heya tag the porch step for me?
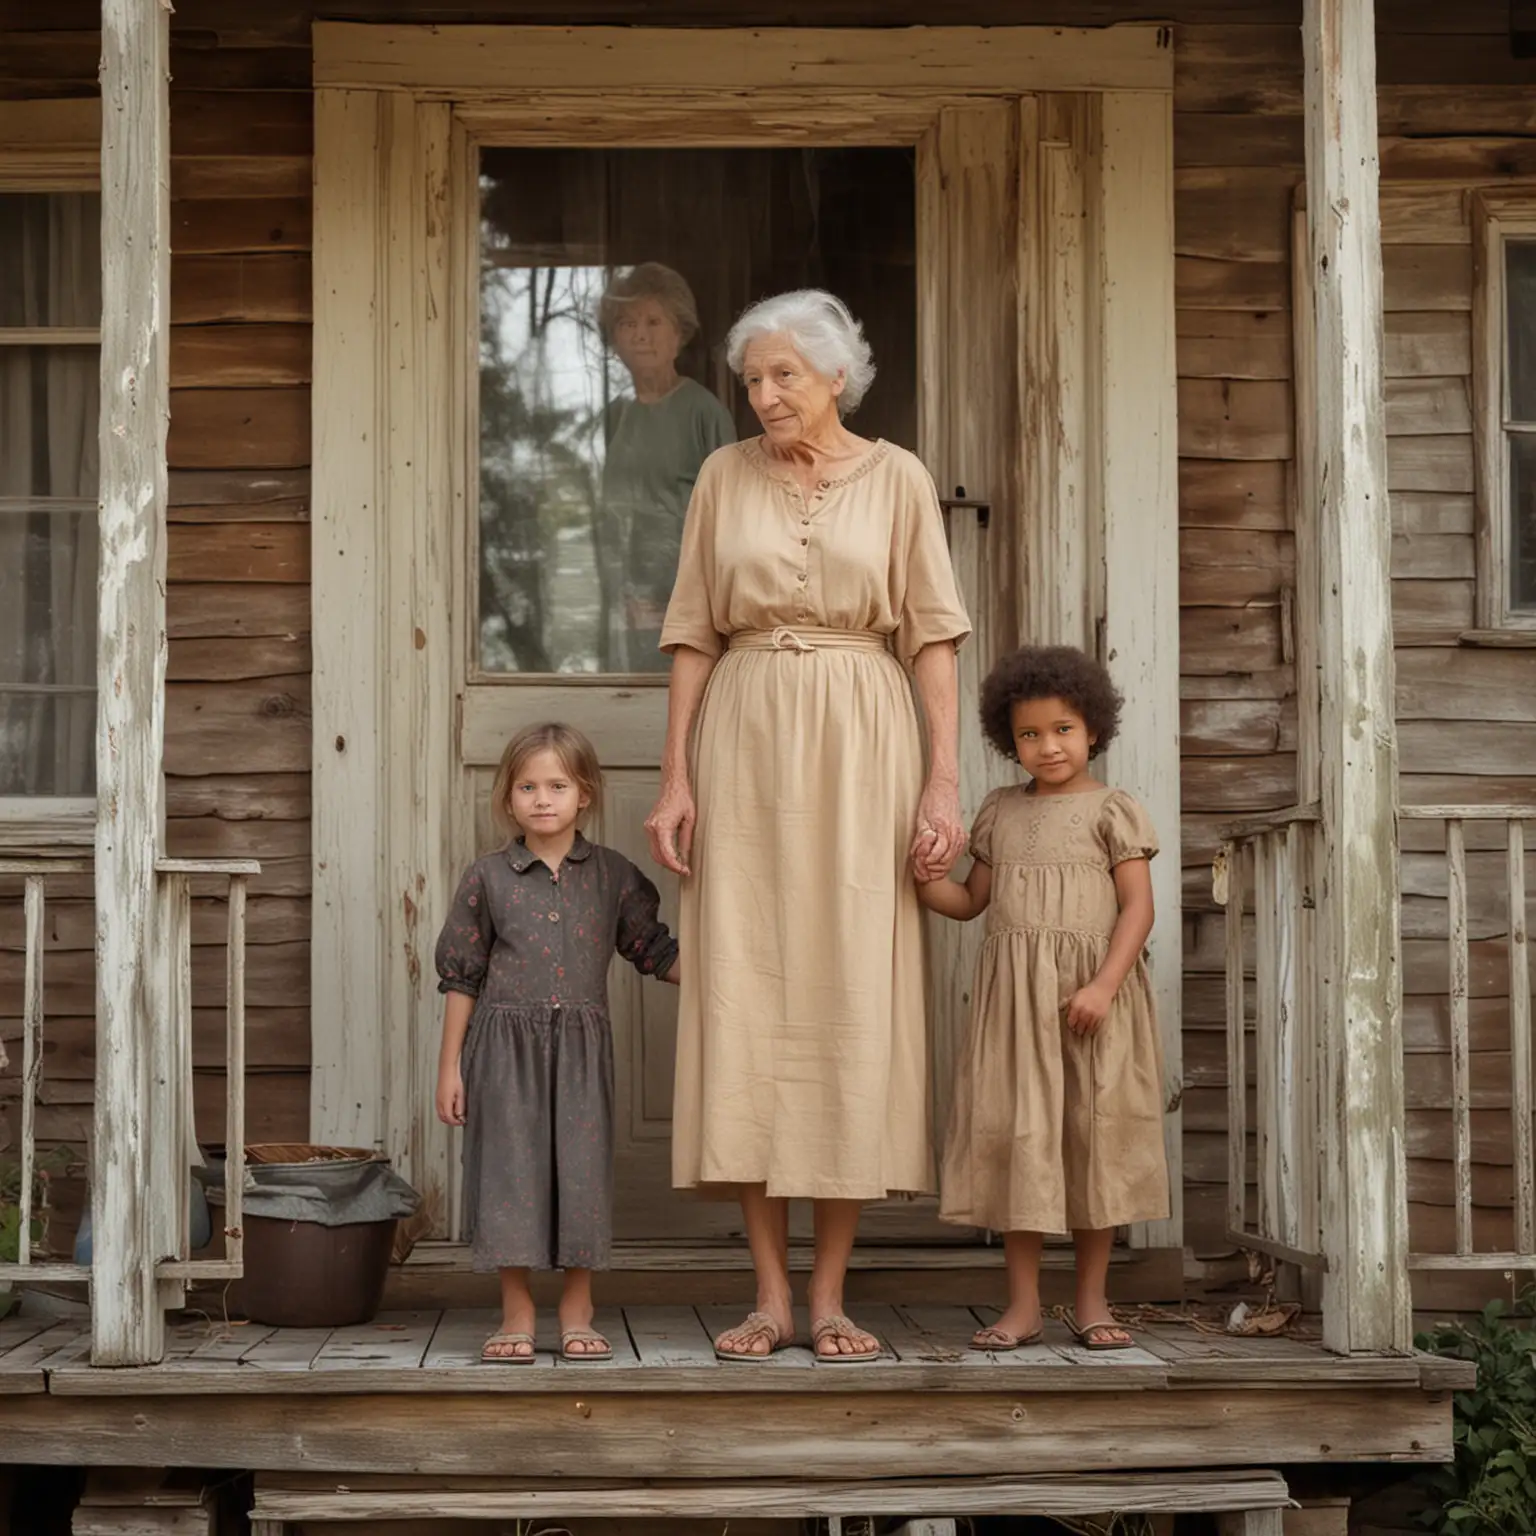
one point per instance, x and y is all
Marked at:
(1254, 1498)
(133, 1501)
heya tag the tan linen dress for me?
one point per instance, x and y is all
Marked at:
(1052, 1131)
(802, 1036)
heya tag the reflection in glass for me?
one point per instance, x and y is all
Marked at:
(609, 279)
(1520, 299)
(1522, 517)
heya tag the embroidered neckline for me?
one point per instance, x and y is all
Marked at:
(755, 454)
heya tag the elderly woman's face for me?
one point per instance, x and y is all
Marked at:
(646, 336)
(791, 399)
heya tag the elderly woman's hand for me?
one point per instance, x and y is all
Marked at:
(940, 836)
(670, 826)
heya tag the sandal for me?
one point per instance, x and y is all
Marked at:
(487, 1356)
(1092, 1335)
(584, 1336)
(998, 1341)
(839, 1327)
(758, 1325)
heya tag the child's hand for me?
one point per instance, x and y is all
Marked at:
(1088, 1008)
(450, 1096)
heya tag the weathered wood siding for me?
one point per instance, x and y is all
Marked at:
(1455, 109)
(237, 706)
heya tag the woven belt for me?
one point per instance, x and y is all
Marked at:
(805, 638)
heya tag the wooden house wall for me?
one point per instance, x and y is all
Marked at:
(1455, 109)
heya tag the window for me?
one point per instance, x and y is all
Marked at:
(608, 281)
(1506, 322)
(50, 308)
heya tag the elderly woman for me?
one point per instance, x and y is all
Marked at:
(813, 571)
(656, 440)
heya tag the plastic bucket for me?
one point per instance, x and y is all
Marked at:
(299, 1274)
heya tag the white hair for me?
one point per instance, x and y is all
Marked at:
(822, 331)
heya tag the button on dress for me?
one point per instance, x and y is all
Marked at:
(1053, 1131)
(533, 950)
(802, 1049)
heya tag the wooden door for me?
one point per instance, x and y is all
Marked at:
(1028, 359)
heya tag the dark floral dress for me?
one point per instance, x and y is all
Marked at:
(533, 948)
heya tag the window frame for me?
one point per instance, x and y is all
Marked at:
(1497, 216)
(49, 146)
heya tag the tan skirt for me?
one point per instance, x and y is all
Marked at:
(802, 1043)
(1052, 1131)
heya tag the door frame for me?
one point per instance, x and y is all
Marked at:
(397, 112)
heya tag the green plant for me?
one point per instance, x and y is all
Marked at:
(44, 1167)
(1490, 1488)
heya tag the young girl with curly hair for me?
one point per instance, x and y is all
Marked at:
(1057, 1117)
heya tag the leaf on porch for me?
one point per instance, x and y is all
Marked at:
(1258, 1322)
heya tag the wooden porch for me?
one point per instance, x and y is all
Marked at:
(407, 1394)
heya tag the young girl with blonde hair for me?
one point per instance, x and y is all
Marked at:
(526, 1065)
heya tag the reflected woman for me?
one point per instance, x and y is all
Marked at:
(656, 440)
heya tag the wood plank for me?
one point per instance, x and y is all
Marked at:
(239, 428)
(1459, 159)
(1239, 783)
(1426, 407)
(223, 356)
(257, 726)
(239, 552)
(1206, 283)
(1427, 277)
(272, 178)
(224, 123)
(1465, 684)
(1423, 215)
(1488, 747)
(1366, 1300)
(1428, 345)
(1442, 464)
(1460, 1048)
(241, 288)
(1428, 512)
(1432, 556)
(1451, 109)
(667, 1337)
(1235, 419)
(1213, 641)
(1236, 138)
(285, 1349)
(208, 661)
(1216, 493)
(1138, 413)
(218, 226)
(1234, 567)
(127, 1323)
(1431, 612)
(253, 496)
(1520, 1039)
(1233, 213)
(1065, 1497)
(214, 609)
(392, 1341)
(473, 59)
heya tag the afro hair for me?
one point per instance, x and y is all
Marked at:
(1049, 672)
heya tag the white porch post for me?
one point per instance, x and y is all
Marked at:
(127, 1323)
(1366, 1295)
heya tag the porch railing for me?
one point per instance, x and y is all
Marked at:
(1268, 866)
(1461, 897)
(174, 1137)
(34, 874)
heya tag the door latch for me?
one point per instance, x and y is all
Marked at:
(960, 500)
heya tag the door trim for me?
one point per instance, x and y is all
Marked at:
(457, 63)
(391, 446)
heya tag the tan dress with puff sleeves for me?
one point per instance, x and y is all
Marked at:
(1053, 1131)
(802, 1038)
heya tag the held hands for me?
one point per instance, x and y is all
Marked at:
(1088, 1007)
(670, 826)
(940, 837)
(450, 1095)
